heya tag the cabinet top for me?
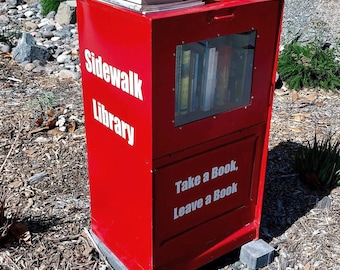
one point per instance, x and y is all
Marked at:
(154, 9)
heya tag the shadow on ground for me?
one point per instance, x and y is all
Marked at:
(286, 199)
(14, 231)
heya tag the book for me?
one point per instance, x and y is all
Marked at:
(214, 80)
(197, 60)
(185, 82)
(223, 68)
(193, 100)
(209, 78)
(178, 77)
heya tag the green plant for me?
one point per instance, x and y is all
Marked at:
(49, 5)
(318, 164)
(44, 102)
(309, 66)
(8, 35)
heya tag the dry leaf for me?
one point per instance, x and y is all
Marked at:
(15, 184)
(59, 111)
(6, 55)
(295, 96)
(39, 122)
(296, 129)
(55, 131)
(50, 113)
(318, 131)
(310, 98)
(72, 126)
(36, 130)
(29, 151)
(299, 117)
(6, 85)
(51, 122)
(319, 103)
(20, 231)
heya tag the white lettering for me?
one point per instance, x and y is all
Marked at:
(88, 64)
(115, 76)
(128, 82)
(225, 192)
(207, 199)
(188, 208)
(106, 72)
(114, 123)
(227, 168)
(99, 67)
(138, 87)
(125, 82)
(205, 177)
(183, 185)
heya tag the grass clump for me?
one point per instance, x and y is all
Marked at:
(49, 5)
(318, 164)
(311, 66)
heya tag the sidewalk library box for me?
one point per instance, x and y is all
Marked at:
(177, 111)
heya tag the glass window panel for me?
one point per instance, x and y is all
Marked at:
(213, 76)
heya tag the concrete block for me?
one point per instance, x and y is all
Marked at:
(257, 254)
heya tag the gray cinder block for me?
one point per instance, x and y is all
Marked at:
(257, 254)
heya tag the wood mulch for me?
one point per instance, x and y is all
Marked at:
(302, 224)
(44, 185)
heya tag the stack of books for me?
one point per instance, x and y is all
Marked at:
(148, 6)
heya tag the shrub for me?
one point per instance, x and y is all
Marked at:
(309, 66)
(318, 164)
(49, 5)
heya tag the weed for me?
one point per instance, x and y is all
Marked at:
(318, 164)
(9, 36)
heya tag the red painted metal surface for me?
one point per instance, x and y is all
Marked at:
(166, 197)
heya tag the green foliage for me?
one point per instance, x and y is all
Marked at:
(43, 103)
(309, 66)
(318, 164)
(49, 5)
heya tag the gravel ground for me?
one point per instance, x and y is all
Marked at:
(311, 20)
(305, 235)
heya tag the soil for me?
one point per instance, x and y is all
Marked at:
(44, 183)
(55, 208)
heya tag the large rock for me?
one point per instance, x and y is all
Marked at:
(27, 50)
(66, 13)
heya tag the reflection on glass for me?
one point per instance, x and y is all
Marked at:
(213, 76)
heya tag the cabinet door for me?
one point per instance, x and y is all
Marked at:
(205, 199)
(212, 71)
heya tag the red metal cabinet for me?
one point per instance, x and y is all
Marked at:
(174, 190)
